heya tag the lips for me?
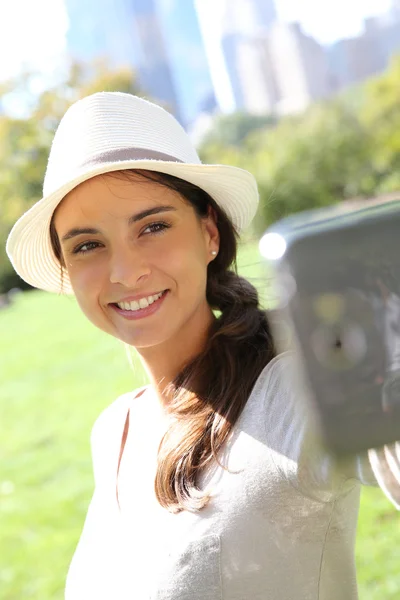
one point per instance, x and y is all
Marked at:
(136, 298)
(140, 303)
(132, 310)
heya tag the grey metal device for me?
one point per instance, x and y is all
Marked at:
(337, 275)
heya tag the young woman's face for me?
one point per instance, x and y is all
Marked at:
(137, 256)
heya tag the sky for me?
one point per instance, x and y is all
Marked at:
(26, 36)
(31, 32)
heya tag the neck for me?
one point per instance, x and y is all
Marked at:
(164, 361)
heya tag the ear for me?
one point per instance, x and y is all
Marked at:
(210, 230)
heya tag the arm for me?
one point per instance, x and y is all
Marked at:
(302, 455)
(385, 464)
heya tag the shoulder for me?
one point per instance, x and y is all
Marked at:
(278, 406)
(291, 429)
(292, 432)
(282, 364)
(279, 384)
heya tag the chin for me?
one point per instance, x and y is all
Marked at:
(142, 340)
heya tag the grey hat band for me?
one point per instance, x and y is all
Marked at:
(124, 154)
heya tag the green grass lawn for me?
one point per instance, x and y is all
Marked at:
(57, 373)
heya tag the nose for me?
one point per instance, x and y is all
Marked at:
(128, 267)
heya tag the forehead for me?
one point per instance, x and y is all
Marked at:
(110, 195)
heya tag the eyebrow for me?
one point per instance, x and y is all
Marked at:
(75, 231)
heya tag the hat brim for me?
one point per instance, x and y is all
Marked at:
(29, 246)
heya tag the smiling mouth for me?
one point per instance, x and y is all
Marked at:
(137, 305)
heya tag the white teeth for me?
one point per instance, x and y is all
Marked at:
(142, 303)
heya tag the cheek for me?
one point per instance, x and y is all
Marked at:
(87, 283)
(186, 264)
(83, 277)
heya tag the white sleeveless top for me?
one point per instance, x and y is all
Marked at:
(280, 525)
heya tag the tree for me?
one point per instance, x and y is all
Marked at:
(25, 142)
(306, 161)
(381, 115)
(314, 160)
(232, 129)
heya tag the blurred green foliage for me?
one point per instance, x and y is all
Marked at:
(343, 148)
(233, 129)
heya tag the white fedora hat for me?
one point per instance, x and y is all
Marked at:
(111, 131)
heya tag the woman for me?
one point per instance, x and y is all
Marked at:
(210, 482)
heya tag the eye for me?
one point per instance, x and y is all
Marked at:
(85, 248)
(157, 227)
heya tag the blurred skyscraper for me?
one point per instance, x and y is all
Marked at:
(126, 32)
(195, 55)
(265, 12)
(299, 67)
(235, 64)
(187, 58)
(355, 59)
(272, 67)
(253, 89)
(153, 61)
(390, 31)
(248, 16)
(396, 9)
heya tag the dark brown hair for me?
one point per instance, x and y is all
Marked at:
(210, 392)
